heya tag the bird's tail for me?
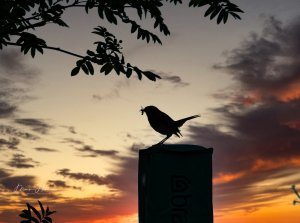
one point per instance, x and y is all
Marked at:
(180, 122)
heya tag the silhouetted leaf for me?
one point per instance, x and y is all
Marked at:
(225, 17)
(90, 53)
(215, 12)
(85, 69)
(35, 220)
(209, 10)
(48, 219)
(134, 27)
(101, 11)
(236, 16)
(42, 208)
(50, 212)
(75, 71)
(40, 49)
(221, 16)
(151, 76)
(110, 16)
(90, 67)
(36, 213)
(128, 72)
(199, 3)
(79, 63)
(138, 72)
(106, 68)
(23, 215)
(61, 23)
(32, 51)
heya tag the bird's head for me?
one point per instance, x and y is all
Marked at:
(142, 110)
(149, 109)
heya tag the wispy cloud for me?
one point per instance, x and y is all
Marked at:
(91, 178)
(37, 125)
(88, 151)
(73, 141)
(11, 143)
(60, 184)
(44, 149)
(21, 161)
(14, 132)
(173, 79)
(114, 93)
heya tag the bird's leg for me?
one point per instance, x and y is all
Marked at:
(162, 141)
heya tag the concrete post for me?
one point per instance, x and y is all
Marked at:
(175, 184)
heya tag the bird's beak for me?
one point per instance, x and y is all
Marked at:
(142, 110)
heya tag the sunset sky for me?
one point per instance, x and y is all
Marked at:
(76, 138)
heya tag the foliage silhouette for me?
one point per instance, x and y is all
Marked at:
(294, 189)
(41, 217)
(18, 17)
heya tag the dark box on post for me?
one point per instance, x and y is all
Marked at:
(175, 184)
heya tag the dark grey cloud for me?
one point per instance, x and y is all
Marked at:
(6, 109)
(12, 182)
(14, 68)
(11, 143)
(88, 151)
(87, 177)
(14, 132)
(21, 161)
(173, 79)
(61, 184)
(73, 141)
(16, 77)
(260, 138)
(4, 173)
(267, 65)
(44, 149)
(36, 125)
(72, 129)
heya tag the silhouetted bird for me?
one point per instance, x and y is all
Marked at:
(163, 123)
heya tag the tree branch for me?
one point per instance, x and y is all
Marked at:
(51, 48)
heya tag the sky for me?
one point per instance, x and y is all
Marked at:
(73, 142)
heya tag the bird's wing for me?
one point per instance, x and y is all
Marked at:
(180, 122)
(162, 123)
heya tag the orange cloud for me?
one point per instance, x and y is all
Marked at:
(295, 124)
(291, 93)
(227, 177)
(263, 164)
(259, 165)
(286, 94)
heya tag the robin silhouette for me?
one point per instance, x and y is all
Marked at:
(163, 123)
